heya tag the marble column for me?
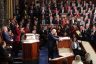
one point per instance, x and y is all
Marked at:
(1, 13)
(9, 9)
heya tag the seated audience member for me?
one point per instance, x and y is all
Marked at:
(5, 57)
(87, 32)
(52, 47)
(77, 50)
(5, 35)
(75, 46)
(77, 60)
(88, 59)
(93, 34)
(82, 33)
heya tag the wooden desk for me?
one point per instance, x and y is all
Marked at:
(30, 51)
(65, 51)
(65, 58)
(66, 43)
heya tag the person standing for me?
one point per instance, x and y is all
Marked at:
(17, 34)
(52, 46)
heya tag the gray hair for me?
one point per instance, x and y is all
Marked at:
(4, 28)
(53, 31)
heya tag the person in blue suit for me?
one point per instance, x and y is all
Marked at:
(5, 35)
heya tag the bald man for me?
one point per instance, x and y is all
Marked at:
(52, 46)
(5, 35)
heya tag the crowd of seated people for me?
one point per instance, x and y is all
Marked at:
(68, 18)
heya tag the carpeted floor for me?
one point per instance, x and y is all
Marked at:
(43, 59)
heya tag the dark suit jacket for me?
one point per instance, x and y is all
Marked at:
(87, 34)
(6, 37)
(52, 46)
(93, 37)
(52, 40)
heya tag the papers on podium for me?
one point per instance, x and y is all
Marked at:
(64, 38)
(30, 41)
(31, 38)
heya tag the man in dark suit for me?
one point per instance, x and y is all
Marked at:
(87, 32)
(52, 46)
(43, 36)
(93, 34)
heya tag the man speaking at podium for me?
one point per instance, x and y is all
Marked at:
(52, 46)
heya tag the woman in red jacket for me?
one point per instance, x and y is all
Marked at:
(17, 34)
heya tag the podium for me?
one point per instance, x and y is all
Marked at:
(65, 50)
(65, 43)
(30, 50)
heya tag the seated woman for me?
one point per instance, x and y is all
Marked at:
(77, 60)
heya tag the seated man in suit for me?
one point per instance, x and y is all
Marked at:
(52, 46)
(87, 32)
